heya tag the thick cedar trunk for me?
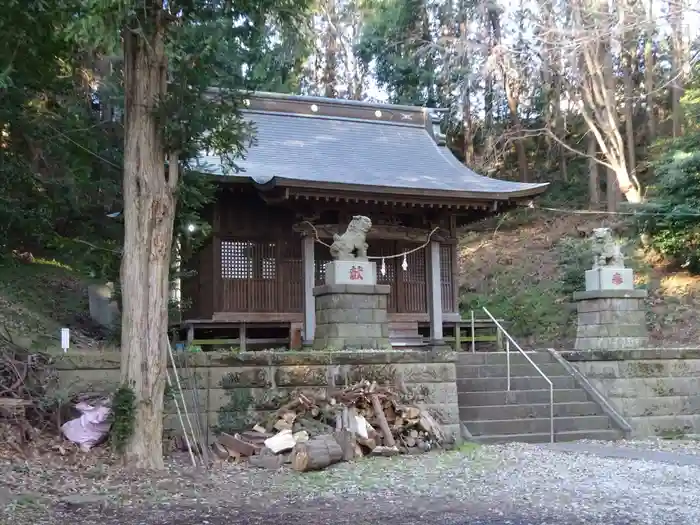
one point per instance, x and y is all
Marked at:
(149, 211)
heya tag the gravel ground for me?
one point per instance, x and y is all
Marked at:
(512, 484)
(681, 446)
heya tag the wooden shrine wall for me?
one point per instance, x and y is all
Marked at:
(253, 265)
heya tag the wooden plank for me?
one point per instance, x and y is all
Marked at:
(209, 342)
(258, 317)
(477, 339)
(249, 341)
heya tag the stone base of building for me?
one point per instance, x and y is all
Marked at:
(351, 317)
(611, 320)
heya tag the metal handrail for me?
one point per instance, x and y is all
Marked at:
(510, 340)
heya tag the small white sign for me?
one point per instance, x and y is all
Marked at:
(65, 339)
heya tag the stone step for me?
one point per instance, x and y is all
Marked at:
(536, 425)
(602, 435)
(520, 397)
(502, 412)
(490, 384)
(516, 370)
(499, 358)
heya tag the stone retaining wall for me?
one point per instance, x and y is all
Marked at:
(234, 390)
(656, 391)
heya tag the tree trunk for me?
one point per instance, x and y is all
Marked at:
(149, 212)
(629, 107)
(649, 74)
(593, 174)
(330, 69)
(560, 126)
(677, 57)
(468, 128)
(517, 130)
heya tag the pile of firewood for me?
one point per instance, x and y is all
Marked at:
(313, 431)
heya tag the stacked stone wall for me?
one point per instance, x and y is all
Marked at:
(656, 391)
(233, 391)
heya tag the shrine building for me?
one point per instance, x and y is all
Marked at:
(316, 163)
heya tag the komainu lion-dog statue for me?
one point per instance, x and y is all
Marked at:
(606, 252)
(351, 245)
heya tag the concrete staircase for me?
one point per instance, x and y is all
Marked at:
(492, 414)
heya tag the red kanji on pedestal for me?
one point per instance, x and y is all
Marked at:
(356, 273)
(617, 279)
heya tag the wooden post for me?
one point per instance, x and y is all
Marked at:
(190, 334)
(435, 292)
(243, 338)
(309, 268)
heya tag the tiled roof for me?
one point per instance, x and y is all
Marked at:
(318, 148)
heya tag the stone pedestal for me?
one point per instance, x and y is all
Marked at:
(351, 272)
(611, 320)
(351, 317)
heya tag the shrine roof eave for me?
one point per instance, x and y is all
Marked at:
(385, 192)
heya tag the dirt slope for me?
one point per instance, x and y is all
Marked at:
(38, 297)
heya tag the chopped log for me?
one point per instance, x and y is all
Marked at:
(281, 442)
(411, 412)
(254, 437)
(369, 443)
(316, 454)
(271, 462)
(413, 433)
(259, 429)
(301, 437)
(312, 426)
(236, 444)
(429, 425)
(220, 451)
(410, 441)
(385, 451)
(346, 440)
(381, 419)
(281, 424)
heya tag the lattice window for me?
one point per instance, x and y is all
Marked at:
(416, 266)
(248, 260)
(446, 278)
(445, 263)
(268, 261)
(390, 267)
(236, 262)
